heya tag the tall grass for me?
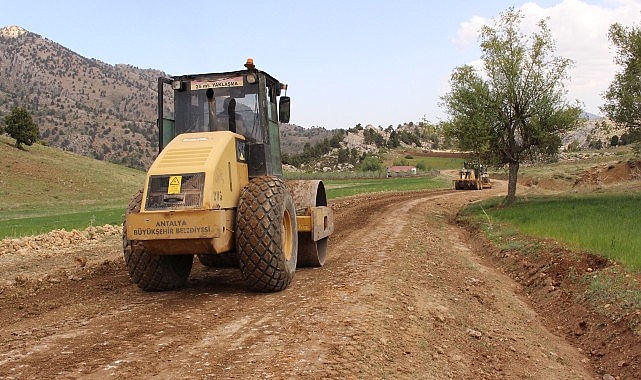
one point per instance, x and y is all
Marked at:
(607, 224)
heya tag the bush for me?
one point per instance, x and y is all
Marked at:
(596, 144)
(371, 164)
(636, 149)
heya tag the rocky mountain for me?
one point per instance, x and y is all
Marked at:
(90, 107)
(293, 137)
(81, 105)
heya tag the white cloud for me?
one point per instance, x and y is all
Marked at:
(467, 35)
(581, 33)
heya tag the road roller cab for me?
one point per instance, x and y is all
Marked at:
(216, 188)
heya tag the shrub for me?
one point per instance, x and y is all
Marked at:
(371, 164)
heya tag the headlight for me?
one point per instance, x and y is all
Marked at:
(178, 85)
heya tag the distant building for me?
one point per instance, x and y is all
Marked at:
(401, 171)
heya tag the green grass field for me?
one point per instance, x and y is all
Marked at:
(344, 188)
(82, 216)
(439, 163)
(77, 220)
(606, 224)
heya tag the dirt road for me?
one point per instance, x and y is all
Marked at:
(402, 295)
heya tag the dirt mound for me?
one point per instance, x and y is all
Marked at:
(56, 240)
(610, 173)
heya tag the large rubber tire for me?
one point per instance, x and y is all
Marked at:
(153, 272)
(266, 235)
(221, 260)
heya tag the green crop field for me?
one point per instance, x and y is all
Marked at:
(76, 220)
(606, 224)
(343, 188)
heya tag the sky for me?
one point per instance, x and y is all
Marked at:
(345, 62)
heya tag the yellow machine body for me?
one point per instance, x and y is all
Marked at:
(210, 167)
(196, 182)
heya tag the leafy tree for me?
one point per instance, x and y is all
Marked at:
(337, 138)
(630, 137)
(409, 138)
(371, 164)
(373, 137)
(514, 110)
(393, 141)
(284, 157)
(353, 156)
(614, 141)
(20, 126)
(623, 97)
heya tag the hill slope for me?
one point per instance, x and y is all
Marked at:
(46, 181)
(81, 105)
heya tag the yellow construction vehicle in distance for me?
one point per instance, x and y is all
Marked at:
(472, 177)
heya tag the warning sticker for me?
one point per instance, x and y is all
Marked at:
(229, 82)
(240, 150)
(175, 182)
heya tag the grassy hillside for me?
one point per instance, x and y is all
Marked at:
(41, 182)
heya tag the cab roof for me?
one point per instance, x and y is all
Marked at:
(222, 74)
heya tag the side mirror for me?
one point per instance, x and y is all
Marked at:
(283, 109)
